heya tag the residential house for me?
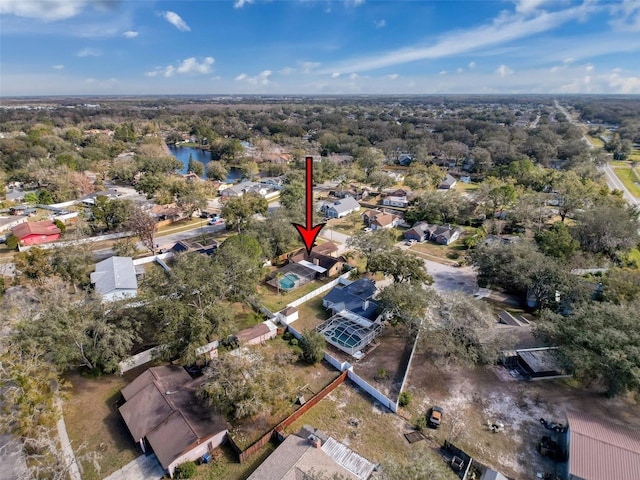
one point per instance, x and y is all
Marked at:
(376, 219)
(442, 234)
(355, 298)
(257, 334)
(600, 450)
(192, 245)
(115, 279)
(401, 201)
(170, 212)
(448, 183)
(90, 199)
(445, 234)
(395, 176)
(327, 248)
(22, 210)
(342, 208)
(32, 233)
(323, 265)
(420, 232)
(404, 159)
(7, 223)
(162, 410)
(241, 189)
(309, 453)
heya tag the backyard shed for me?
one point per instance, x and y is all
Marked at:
(257, 334)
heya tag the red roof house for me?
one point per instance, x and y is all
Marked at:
(31, 233)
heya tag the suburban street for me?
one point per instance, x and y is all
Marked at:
(614, 183)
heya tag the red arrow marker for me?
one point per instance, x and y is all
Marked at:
(309, 233)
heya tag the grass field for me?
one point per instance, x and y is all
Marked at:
(630, 178)
(94, 424)
(595, 141)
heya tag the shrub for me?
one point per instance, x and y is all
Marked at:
(293, 342)
(313, 345)
(287, 336)
(12, 242)
(404, 399)
(186, 470)
(421, 422)
(61, 226)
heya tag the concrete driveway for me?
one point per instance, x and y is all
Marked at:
(145, 467)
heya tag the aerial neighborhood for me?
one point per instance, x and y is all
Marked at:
(468, 309)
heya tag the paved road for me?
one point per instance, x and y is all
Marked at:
(614, 183)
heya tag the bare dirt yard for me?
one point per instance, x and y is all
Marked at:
(472, 396)
(353, 418)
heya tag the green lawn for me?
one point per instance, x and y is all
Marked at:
(630, 178)
(595, 141)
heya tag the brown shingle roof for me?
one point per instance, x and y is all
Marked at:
(253, 332)
(162, 405)
(600, 450)
(45, 227)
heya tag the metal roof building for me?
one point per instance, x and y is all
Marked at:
(600, 450)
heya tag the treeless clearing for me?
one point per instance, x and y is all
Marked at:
(472, 396)
(94, 423)
(351, 417)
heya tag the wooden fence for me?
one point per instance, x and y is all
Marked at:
(262, 441)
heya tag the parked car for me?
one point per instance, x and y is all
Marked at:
(435, 418)
(410, 242)
(367, 229)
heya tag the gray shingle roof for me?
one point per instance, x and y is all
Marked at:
(113, 274)
(347, 204)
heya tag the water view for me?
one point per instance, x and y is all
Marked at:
(202, 156)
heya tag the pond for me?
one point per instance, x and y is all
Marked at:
(202, 156)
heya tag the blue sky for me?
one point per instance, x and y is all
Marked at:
(66, 47)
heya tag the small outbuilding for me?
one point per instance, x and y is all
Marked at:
(257, 334)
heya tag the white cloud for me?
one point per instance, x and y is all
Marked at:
(307, 67)
(506, 27)
(624, 84)
(588, 67)
(442, 72)
(380, 23)
(89, 52)
(504, 71)
(335, 75)
(188, 66)
(393, 76)
(567, 61)
(174, 19)
(47, 10)
(130, 34)
(353, 76)
(472, 65)
(460, 70)
(260, 79)
(286, 71)
(242, 3)
(353, 3)
(57, 67)
(527, 6)
(627, 15)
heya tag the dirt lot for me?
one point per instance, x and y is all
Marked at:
(384, 365)
(351, 417)
(471, 397)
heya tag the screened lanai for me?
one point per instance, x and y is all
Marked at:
(349, 332)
